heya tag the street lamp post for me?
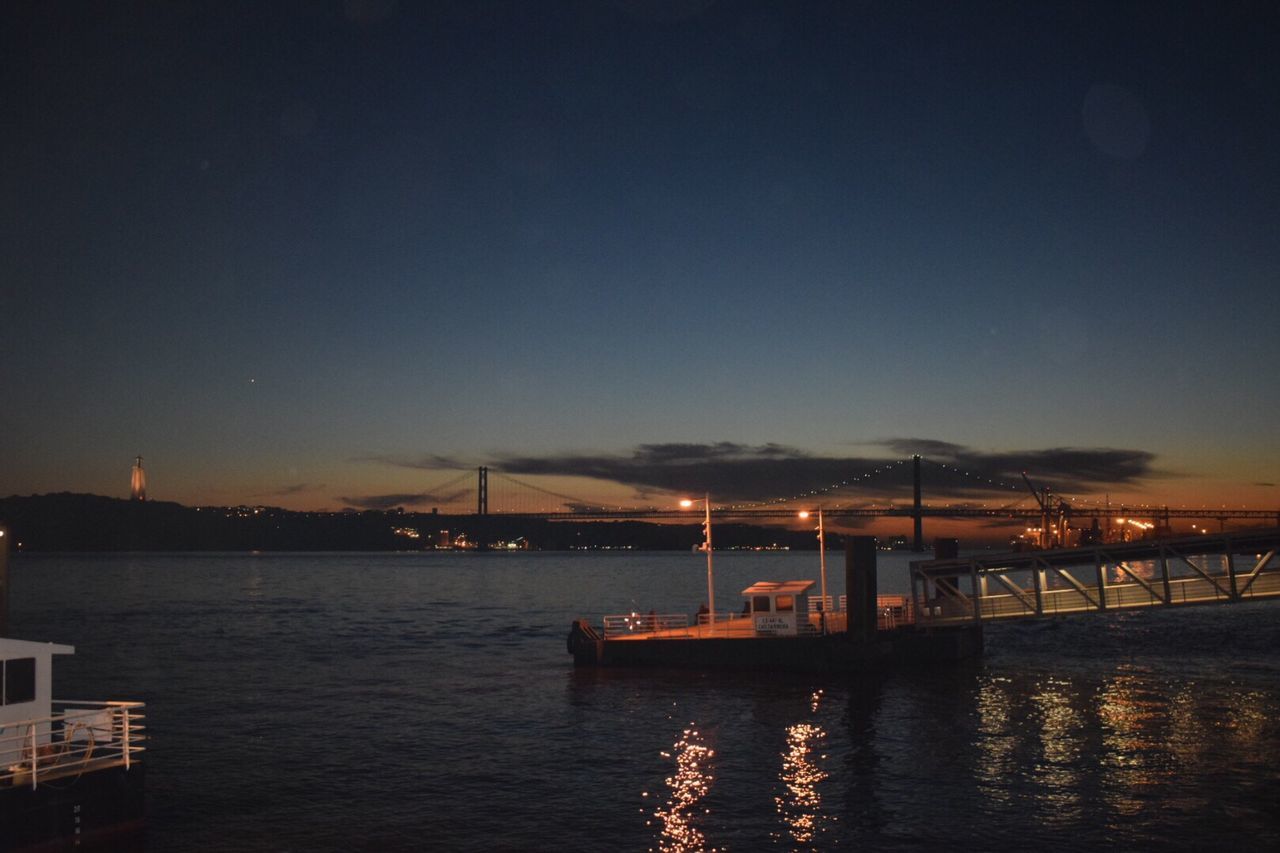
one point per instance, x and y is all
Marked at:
(822, 563)
(706, 528)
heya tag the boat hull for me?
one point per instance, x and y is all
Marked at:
(104, 808)
(831, 653)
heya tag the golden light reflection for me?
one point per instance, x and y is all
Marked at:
(1248, 715)
(1187, 741)
(800, 805)
(995, 743)
(1134, 734)
(1060, 745)
(1145, 569)
(691, 782)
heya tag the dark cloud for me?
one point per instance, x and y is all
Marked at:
(1063, 468)
(1060, 467)
(738, 472)
(741, 473)
(932, 448)
(676, 453)
(734, 472)
(1266, 485)
(405, 499)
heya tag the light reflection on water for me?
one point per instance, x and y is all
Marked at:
(800, 804)
(1133, 719)
(688, 786)
(995, 743)
(1145, 569)
(1058, 771)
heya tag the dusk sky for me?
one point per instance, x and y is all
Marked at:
(332, 254)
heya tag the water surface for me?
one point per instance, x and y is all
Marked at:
(400, 701)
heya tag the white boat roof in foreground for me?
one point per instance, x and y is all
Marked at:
(778, 588)
(10, 648)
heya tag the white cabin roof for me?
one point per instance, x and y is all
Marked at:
(778, 588)
(26, 648)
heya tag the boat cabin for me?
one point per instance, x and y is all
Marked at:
(26, 692)
(778, 608)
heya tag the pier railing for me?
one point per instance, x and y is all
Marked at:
(79, 737)
(643, 623)
(892, 611)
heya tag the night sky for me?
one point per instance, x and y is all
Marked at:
(331, 254)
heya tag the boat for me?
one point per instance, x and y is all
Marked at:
(71, 772)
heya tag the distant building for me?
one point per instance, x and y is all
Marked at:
(138, 482)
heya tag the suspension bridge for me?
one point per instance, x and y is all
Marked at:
(1048, 515)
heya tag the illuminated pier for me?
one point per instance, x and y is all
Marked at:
(782, 627)
(1211, 569)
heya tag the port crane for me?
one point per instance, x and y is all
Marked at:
(1054, 520)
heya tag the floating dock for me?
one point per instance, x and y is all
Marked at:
(782, 627)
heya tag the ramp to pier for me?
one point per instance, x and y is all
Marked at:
(1212, 569)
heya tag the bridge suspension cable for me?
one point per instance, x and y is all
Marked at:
(540, 490)
(845, 483)
(998, 483)
(980, 478)
(448, 484)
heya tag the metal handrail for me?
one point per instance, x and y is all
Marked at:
(83, 736)
(1183, 590)
(643, 623)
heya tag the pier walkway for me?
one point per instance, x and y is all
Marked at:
(1213, 569)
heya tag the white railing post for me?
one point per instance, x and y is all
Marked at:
(124, 736)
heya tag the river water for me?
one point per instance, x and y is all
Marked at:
(426, 701)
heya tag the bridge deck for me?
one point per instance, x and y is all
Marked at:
(1174, 572)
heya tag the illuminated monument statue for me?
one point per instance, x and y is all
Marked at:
(138, 482)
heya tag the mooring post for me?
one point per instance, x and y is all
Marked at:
(979, 590)
(917, 511)
(1100, 573)
(4, 582)
(1038, 581)
(1164, 577)
(860, 586)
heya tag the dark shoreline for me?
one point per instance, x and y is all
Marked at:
(67, 522)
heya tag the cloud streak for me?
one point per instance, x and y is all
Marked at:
(408, 499)
(286, 491)
(421, 462)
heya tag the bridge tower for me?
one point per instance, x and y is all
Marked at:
(138, 481)
(917, 510)
(482, 491)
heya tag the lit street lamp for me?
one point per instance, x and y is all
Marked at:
(822, 563)
(706, 529)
